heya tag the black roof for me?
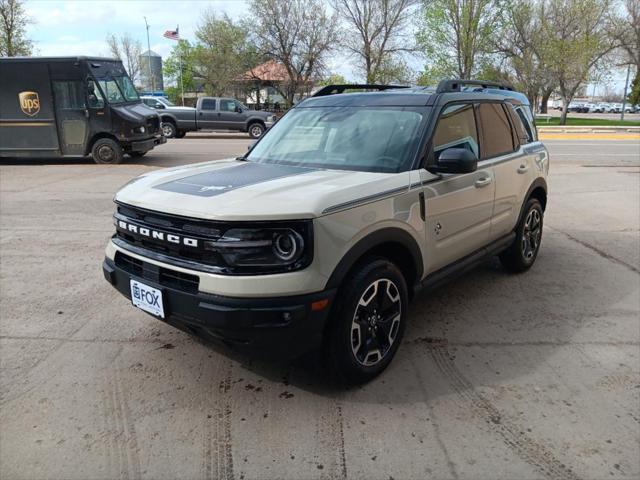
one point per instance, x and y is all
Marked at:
(56, 59)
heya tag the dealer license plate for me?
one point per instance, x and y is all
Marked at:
(147, 298)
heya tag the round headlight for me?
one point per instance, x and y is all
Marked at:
(286, 245)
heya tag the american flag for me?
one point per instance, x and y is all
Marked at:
(172, 34)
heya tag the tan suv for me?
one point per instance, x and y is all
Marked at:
(338, 215)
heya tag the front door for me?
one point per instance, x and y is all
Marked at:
(458, 207)
(232, 115)
(72, 115)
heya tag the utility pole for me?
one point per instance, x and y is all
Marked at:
(151, 79)
(624, 97)
(180, 61)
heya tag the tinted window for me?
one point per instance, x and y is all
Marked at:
(208, 104)
(496, 130)
(228, 105)
(456, 128)
(524, 121)
(69, 95)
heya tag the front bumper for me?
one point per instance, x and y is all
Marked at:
(283, 326)
(146, 145)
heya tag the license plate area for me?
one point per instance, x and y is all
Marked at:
(147, 298)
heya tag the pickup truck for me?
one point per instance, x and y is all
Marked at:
(210, 113)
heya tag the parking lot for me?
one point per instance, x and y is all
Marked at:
(499, 377)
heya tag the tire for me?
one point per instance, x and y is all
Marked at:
(180, 134)
(256, 130)
(107, 151)
(137, 154)
(521, 255)
(359, 329)
(169, 129)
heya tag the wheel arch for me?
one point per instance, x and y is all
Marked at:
(537, 190)
(97, 137)
(395, 244)
(165, 117)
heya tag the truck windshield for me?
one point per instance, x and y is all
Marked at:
(118, 89)
(370, 139)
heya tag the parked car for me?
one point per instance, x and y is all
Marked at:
(60, 107)
(598, 108)
(578, 107)
(210, 113)
(321, 234)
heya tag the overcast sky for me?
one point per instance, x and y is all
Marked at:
(79, 27)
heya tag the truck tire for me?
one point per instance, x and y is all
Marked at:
(521, 255)
(169, 130)
(107, 151)
(256, 130)
(368, 320)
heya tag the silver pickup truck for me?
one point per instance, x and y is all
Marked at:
(211, 113)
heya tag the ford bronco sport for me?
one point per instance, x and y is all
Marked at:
(321, 234)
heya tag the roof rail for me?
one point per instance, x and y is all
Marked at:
(336, 89)
(456, 85)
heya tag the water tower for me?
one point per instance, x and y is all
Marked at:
(154, 82)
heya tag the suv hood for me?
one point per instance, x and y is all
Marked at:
(239, 190)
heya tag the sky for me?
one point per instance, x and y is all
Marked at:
(79, 27)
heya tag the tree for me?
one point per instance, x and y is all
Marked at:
(333, 79)
(625, 29)
(634, 95)
(376, 35)
(223, 53)
(182, 55)
(576, 40)
(296, 33)
(128, 50)
(13, 23)
(457, 35)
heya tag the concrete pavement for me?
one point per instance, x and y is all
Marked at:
(499, 377)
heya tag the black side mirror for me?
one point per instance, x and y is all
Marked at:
(160, 106)
(455, 160)
(238, 110)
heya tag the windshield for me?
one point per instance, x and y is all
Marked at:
(166, 101)
(371, 139)
(118, 89)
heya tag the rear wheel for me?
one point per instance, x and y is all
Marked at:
(256, 130)
(369, 321)
(521, 255)
(169, 130)
(107, 151)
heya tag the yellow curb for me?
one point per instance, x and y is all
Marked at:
(589, 136)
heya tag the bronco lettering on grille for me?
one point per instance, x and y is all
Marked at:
(157, 235)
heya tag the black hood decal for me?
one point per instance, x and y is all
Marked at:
(217, 182)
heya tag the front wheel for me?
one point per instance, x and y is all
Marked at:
(169, 129)
(256, 130)
(521, 255)
(368, 321)
(107, 151)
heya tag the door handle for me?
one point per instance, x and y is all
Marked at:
(523, 168)
(483, 182)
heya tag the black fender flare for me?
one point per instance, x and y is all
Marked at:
(364, 245)
(164, 116)
(537, 183)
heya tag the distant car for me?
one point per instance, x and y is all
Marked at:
(578, 107)
(211, 113)
(597, 108)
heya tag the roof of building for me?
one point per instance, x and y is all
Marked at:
(150, 53)
(271, 71)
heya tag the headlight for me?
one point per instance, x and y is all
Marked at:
(139, 129)
(264, 250)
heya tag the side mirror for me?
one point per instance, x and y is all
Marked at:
(160, 106)
(238, 110)
(455, 160)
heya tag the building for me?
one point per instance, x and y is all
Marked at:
(151, 82)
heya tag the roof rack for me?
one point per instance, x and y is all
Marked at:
(337, 89)
(456, 85)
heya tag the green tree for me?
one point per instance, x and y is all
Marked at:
(634, 95)
(456, 36)
(13, 24)
(182, 54)
(299, 34)
(376, 35)
(223, 53)
(333, 79)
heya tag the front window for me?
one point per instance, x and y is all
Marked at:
(370, 139)
(127, 88)
(118, 89)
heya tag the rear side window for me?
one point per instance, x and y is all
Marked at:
(525, 123)
(496, 130)
(208, 104)
(456, 129)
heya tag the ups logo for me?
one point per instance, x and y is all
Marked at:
(29, 103)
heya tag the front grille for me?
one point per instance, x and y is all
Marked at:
(166, 277)
(153, 124)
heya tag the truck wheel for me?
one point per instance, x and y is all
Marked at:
(369, 321)
(524, 250)
(180, 134)
(169, 130)
(107, 151)
(256, 130)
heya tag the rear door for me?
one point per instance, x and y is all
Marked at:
(72, 115)
(208, 115)
(458, 206)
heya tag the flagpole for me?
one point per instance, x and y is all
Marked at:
(180, 62)
(151, 79)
